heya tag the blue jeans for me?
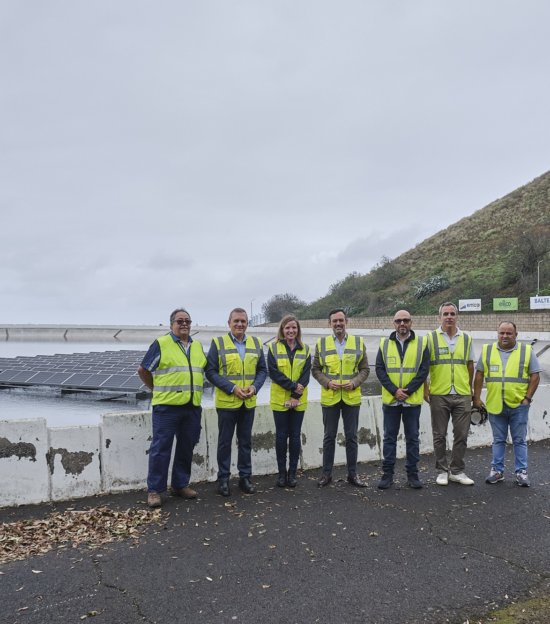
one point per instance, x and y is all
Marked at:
(184, 423)
(288, 427)
(228, 419)
(515, 419)
(331, 416)
(411, 425)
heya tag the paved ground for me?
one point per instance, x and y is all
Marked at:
(441, 554)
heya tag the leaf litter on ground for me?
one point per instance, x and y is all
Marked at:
(93, 527)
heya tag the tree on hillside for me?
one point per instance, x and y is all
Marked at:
(275, 308)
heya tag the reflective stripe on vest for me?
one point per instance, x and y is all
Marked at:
(506, 386)
(340, 370)
(292, 370)
(448, 369)
(241, 373)
(178, 378)
(407, 370)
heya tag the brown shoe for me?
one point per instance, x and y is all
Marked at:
(154, 499)
(185, 492)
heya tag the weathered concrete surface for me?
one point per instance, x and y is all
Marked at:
(23, 466)
(339, 554)
(125, 439)
(74, 462)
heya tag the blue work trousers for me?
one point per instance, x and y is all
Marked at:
(241, 419)
(515, 419)
(393, 414)
(288, 428)
(331, 417)
(184, 423)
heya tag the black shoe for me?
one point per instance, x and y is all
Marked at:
(281, 479)
(223, 487)
(414, 482)
(324, 480)
(246, 485)
(291, 479)
(386, 481)
(355, 480)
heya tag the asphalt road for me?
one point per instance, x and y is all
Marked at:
(441, 554)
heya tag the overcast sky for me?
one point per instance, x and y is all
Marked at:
(212, 154)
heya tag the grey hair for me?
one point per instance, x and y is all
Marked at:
(173, 315)
(444, 305)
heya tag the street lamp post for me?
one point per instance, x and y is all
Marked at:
(538, 277)
(251, 312)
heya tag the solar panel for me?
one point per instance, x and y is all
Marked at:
(108, 370)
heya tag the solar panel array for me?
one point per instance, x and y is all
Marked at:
(98, 370)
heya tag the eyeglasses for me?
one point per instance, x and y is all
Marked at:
(182, 321)
(399, 321)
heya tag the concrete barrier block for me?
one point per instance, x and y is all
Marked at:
(264, 458)
(74, 462)
(371, 429)
(125, 441)
(204, 456)
(23, 465)
(312, 437)
(539, 415)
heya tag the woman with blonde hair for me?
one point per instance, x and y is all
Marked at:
(289, 365)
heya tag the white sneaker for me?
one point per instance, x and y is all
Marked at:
(442, 478)
(461, 478)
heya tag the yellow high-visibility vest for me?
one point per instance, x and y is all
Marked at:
(401, 373)
(240, 372)
(178, 377)
(449, 369)
(293, 370)
(507, 386)
(340, 370)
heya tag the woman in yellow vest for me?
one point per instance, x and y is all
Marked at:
(289, 366)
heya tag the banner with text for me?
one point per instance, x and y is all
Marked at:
(540, 303)
(505, 303)
(469, 305)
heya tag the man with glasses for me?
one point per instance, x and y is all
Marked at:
(450, 393)
(402, 366)
(173, 368)
(236, 367)
(340, 365)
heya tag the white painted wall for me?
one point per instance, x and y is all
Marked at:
(119, 446)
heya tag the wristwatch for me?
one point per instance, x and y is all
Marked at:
(526, 398)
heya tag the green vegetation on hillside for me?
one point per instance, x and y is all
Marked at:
(493, 253)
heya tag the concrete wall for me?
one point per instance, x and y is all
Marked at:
(469, 321)
(38, 464)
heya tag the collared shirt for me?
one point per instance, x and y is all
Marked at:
(452, 340)
(151, 359)
(240, 344)
(340, 346)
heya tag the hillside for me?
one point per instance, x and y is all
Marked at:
(492, 253)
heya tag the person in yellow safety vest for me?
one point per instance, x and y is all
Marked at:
(340, 365)
(173, 368)
(511, 372)
(402, 366)
(289, 366)
(236, 367)
(449, 393)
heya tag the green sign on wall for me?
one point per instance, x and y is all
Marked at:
(505, 304)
